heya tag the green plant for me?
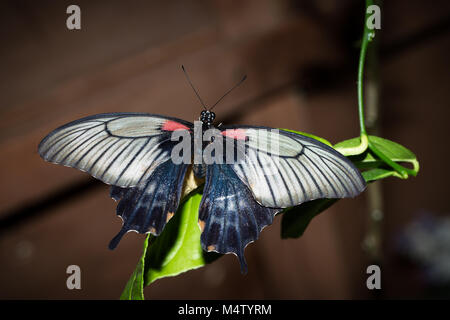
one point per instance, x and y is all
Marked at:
(178, 248)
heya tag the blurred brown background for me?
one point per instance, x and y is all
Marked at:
(301, 62)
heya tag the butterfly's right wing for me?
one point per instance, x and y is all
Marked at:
(284, 169)
(121, 149)
(268, 170)
(132, 152)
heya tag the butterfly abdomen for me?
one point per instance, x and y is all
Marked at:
(199, 170)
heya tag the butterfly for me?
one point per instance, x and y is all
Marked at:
(134, 153)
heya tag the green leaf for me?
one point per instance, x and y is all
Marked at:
(381, 153)
(311, 136)
(177, 249)
(296, 219)
(396, 152)
(134, 290)
(378, 174)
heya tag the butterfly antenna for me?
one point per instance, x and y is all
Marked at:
(234, 87)
(193, 88)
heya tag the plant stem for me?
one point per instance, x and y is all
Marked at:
(367, 37)
(374, 235)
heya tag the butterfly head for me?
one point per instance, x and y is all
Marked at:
(207, 117)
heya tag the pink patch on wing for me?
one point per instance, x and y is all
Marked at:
(237, 134)
(170, 125)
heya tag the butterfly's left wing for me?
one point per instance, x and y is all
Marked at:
(270, 169)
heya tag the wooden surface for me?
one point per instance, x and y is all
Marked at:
(301, 67)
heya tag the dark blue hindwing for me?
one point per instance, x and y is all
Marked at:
(149, 206)
(229, 216)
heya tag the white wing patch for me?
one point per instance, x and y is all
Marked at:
(135, 126)
(118, 149)
(300, 169)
